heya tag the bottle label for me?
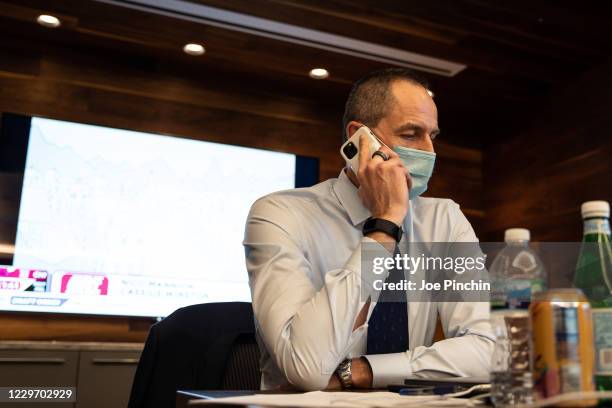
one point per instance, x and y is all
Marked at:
(596, 226)
(514, 293)
(602, 326)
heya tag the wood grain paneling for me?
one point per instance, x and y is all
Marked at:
(539, 177)
(44, 327)
(515, 52)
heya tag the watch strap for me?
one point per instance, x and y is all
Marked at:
(388, 227)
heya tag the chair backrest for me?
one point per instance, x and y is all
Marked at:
(200, 347)
(242, 368)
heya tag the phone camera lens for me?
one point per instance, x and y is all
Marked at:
(350, 150)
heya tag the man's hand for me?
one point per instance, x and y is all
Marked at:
(383, 185)
(334, 383)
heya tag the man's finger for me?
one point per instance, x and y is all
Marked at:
(388, 152)
(394, 161)
(364, 151)
(408, 179)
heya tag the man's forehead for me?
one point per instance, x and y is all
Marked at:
(412, 102)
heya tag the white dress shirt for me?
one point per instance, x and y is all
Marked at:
(303, 255)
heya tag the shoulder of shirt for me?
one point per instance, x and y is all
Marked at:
(440, 208)
(436, 204)
(446, 212)
(292, 199)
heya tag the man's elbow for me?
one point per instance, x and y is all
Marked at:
(303, 364)
(303, 369)
(307, 380)
(482, 356)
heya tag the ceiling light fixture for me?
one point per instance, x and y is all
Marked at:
(318, 73)
(48, 21)
(194, 49)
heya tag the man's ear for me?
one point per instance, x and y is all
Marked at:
(351, 128)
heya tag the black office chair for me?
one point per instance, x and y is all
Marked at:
(201, 347)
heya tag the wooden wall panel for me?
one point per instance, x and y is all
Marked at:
(458, 175)
(44, 327)
(539, 177)
(98, 88)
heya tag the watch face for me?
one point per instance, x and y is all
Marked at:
(344, 374)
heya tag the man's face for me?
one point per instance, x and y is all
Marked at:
(412, 120)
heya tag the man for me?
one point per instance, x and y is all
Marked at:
(303, 250)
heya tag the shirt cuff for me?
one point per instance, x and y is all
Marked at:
(392, 368)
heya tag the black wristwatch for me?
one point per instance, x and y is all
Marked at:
(386, 226)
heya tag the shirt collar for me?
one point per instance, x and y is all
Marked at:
(347, 194)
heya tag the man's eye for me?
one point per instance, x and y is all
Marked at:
(408, 135)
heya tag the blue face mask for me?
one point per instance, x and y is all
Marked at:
(420, 165)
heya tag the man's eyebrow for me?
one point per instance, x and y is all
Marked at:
(415, 125)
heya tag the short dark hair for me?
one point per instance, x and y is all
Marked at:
(369, 99)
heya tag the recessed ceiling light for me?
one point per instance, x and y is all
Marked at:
(430, 93)
(49, 21)
(194, 49)
(319, 73)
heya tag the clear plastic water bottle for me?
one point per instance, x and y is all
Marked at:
(517, 273)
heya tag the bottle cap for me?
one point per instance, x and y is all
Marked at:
(517, 234)
(592, 209)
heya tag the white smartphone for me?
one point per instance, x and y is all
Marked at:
(350, 148)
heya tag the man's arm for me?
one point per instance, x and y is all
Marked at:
(361, 371)
(308, 332)
(466, 353)
(469, 345)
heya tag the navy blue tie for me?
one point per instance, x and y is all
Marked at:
(388, 324)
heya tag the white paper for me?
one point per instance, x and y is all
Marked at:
(316, 399)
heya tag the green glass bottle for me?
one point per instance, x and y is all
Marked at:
(594, 277)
